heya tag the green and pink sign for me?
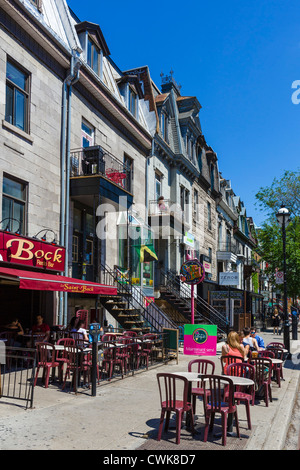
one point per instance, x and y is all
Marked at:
(200, 340)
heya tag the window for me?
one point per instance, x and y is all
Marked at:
(89, 259)
(164, 126)
(157, 185)
(17, 95)
(14, 205)
(196, 201)
(212, 177)
(209, 216)
(128, 163)
(184, 202)
(132, 101)
(87, 134)
(93, 56)
(75, 245)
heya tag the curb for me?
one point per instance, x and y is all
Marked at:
(273, 435)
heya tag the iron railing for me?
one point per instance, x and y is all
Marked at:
(172, 282)
(18, 367)
(97, 161)
(153, 316)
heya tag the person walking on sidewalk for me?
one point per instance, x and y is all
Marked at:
(276, 321)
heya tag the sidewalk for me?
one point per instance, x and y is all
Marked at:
(125, 415)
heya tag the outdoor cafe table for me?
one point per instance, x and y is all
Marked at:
(195, 377)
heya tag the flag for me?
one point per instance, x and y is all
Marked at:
(146, 253)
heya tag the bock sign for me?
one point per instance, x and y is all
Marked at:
(16, 249)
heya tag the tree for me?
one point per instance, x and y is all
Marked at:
(285, 190)
(271, 250)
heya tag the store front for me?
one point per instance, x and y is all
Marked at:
(30, 277)
(136, 252)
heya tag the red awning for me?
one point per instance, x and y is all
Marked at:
(42, 281)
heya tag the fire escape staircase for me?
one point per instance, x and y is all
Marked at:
(178, 295)
(130, 307)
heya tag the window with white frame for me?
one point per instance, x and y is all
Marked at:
(17, 96)
(93, 56)
(87, 134)
(14, 199)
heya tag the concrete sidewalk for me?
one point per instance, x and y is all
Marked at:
(125, 415)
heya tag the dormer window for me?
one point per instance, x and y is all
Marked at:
(93, 45)
(38, 4)
(93, 56)
(132, 101)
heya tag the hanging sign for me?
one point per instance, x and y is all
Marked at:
(200, 340)
(192, 272)
(16, 249)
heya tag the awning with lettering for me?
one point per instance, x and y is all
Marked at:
(50, 282)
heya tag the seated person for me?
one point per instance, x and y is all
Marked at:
(233, 348)
(259, 339)
(41, 327)
(15, 327)
(249, 342)
(79, 329)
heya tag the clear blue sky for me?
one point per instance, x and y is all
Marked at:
(238, 57)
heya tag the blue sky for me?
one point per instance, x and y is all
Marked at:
(238, 57)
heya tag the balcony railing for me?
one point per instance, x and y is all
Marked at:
(96, 161)
(227, 247)
(166, 207)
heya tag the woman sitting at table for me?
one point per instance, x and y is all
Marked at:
(79, 329)
(233, 347)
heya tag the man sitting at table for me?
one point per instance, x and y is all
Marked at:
(259, 339)
(41, 327)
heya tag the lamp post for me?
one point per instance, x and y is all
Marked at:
(283, 218)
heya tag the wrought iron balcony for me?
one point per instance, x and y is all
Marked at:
(94, 160)
(228, 247)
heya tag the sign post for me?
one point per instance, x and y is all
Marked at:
(229, 278)
(192, 273)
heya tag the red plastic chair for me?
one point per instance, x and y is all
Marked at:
(130, 333)
(275, 345)
(74, 365)
(83, 315)
(173, 391)
(227, 360)
(62, 356)
(44, 351)
(201, 366)
(277, 368)
(266, 353)
(216, 385)
(263, 371)
(122, 352)
(108, 337)
(241, 393)
(110, 360)
(144, 352)
(86, 367)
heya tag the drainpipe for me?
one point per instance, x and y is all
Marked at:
(72, 78)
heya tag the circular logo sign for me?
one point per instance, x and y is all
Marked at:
(200, 336)
(192, 272)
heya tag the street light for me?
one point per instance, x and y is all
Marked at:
(283, 218)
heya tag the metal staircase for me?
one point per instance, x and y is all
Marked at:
(129, 307)
(178, 295)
